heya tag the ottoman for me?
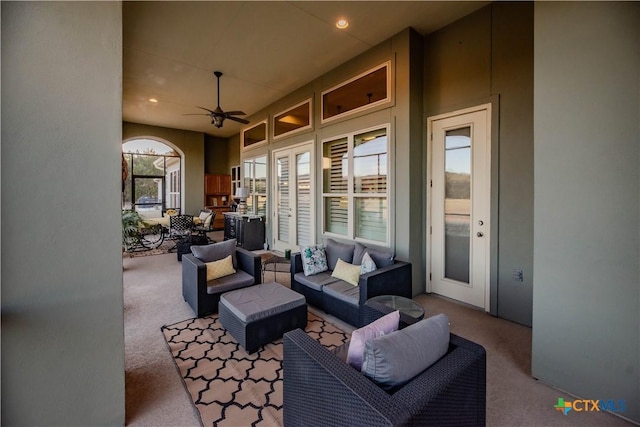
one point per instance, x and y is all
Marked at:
(259, 314)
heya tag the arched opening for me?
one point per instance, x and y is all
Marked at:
(152, 176)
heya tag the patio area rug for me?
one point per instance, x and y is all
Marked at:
(229, 387)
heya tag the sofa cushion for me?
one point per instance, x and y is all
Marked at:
(216, 251)
(336, 250)
(220, 268)
(358, 253)
(382, 257)
(227, 283)
(348, 272)
(317, 281)
(384, 325)
(368, 264)
(314, 259)
(343, 291)
(394, 359)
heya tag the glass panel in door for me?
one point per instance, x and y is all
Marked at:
(457, 204)
(283, 196)
(303, 199)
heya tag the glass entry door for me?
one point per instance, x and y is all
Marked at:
(293, 216)
(460, 207)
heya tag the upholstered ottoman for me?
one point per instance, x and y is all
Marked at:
(259, 314)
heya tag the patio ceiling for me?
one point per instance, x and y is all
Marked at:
(265, 50)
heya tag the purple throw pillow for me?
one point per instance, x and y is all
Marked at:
(382, 326)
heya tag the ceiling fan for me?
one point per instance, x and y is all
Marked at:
(217, 115)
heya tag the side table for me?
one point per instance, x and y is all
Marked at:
(274, 261)
(376, 307)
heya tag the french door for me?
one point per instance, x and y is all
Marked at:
(294, 195)
(460, 205)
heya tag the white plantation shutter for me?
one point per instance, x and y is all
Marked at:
(282, 204)
(336, 184)
(303, 204)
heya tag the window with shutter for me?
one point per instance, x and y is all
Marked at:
(355, 186)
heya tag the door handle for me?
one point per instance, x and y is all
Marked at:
(479, 234)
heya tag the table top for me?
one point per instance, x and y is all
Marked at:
(406, 306)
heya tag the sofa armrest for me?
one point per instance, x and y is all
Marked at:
(194, 281)
(319, 389)
(250, 263)
(391, 280)
(460, 377)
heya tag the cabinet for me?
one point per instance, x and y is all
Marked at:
(248, 230)
(217, 195)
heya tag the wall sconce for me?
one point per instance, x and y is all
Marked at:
(242, 194)
(224, 200)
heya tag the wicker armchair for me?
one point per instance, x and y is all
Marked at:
(321, 390)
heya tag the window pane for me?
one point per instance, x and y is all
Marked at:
(370, 162)
(335, 166)
(371, 218)
(457, 203)
(358, 93)
(335, 215)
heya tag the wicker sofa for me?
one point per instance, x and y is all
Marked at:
(343, 300)
(320, 389)
(203, 296)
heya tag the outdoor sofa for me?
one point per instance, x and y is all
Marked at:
(345, 300)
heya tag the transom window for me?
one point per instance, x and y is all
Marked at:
(355, 191)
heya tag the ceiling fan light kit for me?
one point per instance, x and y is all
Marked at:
(218, 115)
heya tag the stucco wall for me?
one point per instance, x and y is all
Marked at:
(62, 312)
(487, 57)
(586, 318)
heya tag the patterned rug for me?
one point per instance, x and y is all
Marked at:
(229, 387)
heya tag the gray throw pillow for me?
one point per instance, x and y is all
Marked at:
(335, 250)
(394, 359)
(216, 252)
(358, 253)
(382, 257)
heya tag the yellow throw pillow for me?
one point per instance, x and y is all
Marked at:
(348, 272)
(220, 268)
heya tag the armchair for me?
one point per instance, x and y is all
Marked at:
(320, 389)
(203, 296)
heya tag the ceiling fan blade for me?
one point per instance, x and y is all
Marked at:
(197, 114)
(235, 113)
(237, 119)
(206, 109)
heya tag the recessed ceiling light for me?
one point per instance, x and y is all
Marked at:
(342, 24)
(155, 101)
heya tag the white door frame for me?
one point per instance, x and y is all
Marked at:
(291, 151)
(429, 194)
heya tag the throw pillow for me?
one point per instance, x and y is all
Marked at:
(336, 250)
(203, 215)
(221, 268)
(394, 359)
(347, 272)
(368, 265)
(216, 251)
(384, 325)
(314, 259)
